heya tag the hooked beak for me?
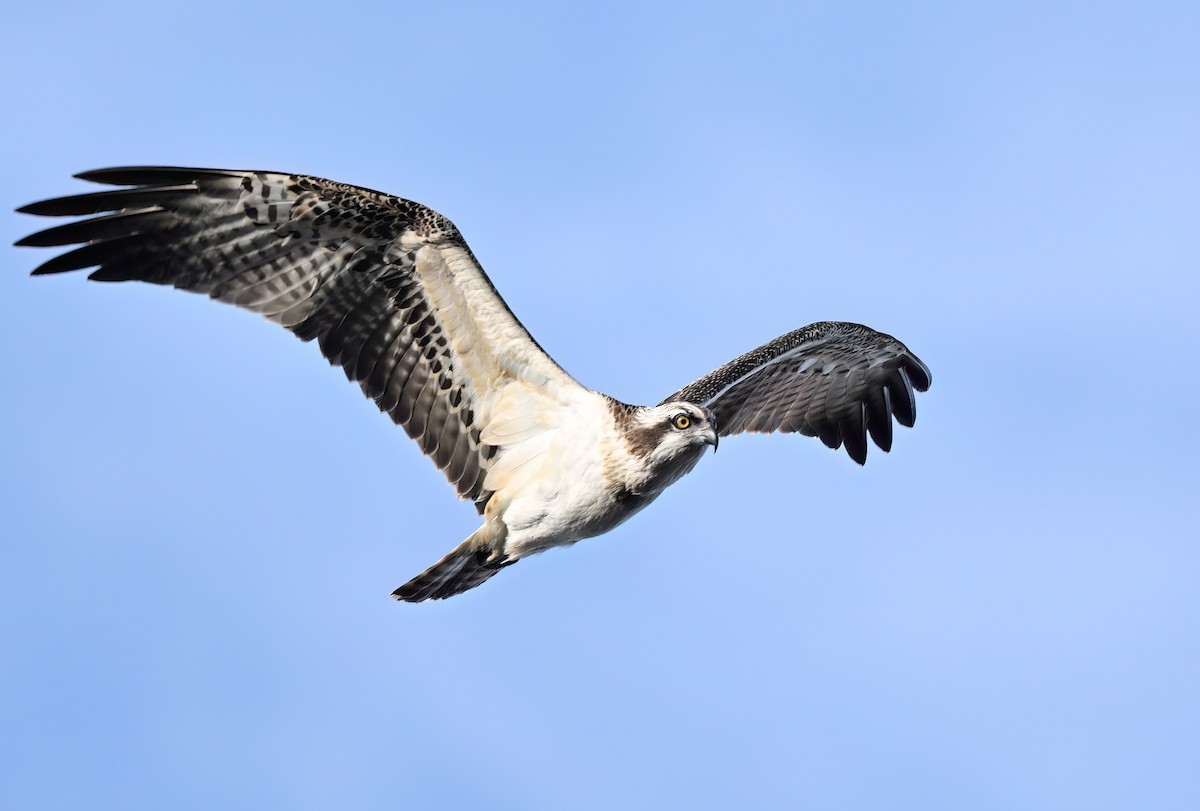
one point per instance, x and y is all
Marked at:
(710, 436)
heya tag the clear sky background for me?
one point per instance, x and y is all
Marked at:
(202, 521)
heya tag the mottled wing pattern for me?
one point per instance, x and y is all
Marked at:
(387, 287)
(833, 380)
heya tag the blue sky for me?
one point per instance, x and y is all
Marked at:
(203, 521)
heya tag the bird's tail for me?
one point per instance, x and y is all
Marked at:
(472, 562)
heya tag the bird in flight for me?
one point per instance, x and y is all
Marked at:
(393, 295)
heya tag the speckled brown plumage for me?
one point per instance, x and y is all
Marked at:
(833, 380)
(321, 258)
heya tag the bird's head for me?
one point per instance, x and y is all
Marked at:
(670, 438)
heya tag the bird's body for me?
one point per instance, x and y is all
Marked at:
(395, 297)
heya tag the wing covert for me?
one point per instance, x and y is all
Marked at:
(834, 380)
(387, 287)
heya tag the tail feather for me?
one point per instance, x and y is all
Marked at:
(465, 568)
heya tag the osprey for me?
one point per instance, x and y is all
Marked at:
(393, 295)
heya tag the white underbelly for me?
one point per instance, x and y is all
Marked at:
(550, 484)
(567, 504)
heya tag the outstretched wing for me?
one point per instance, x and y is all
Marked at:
(833, 380)
(387, 287)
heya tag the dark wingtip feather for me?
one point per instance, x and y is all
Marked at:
(109, 200)
(918, 373)
(828, 432)
(64, 206)
(34, 208)
(88, 256)
(149, 175)
(109, 226)
(42, 270)
(71, 260)
(854, 433)
(879, 417)
(31, 241)
(904, 401)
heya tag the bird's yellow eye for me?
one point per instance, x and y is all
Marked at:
(681, 421)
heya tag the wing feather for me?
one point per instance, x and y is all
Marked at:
(904, 401)
(837, 381)
(878, 404)
(388, 288)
